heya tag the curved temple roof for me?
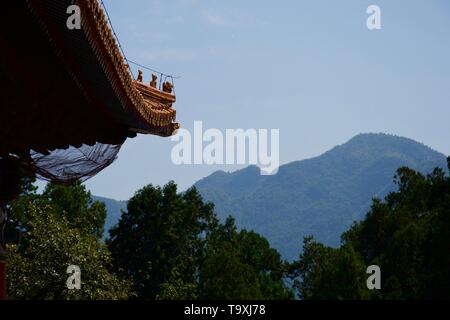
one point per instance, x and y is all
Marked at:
(63, 87)
(68, 99)
(152, 105)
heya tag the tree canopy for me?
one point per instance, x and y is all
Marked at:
(61, 227)
(407, 235)
(173, 247)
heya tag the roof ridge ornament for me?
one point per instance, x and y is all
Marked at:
(114, 63)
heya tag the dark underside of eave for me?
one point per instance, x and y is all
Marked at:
(42, 107)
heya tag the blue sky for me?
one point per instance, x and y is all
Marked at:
(310, 68)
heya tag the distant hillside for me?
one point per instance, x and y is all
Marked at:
(114, 209)
(320, 196)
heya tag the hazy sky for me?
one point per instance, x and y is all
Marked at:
(310, 68)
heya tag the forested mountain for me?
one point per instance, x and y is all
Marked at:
(171, 245)
(321, 196)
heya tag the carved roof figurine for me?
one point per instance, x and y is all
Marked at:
(154, 81)
(140, 77)
(70, 101)
(167, 87)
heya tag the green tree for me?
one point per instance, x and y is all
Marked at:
(407, 235)
(177, 289)
(241, 265)
(328, 273)
(54, 240)
(162, 234)
(76, 205)
(173, 247)
(224, 276)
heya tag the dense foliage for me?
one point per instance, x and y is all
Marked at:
(167, 245)
(61, 227)
(407, 235)
(173, 247)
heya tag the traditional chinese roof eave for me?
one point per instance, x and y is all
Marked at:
(155, 108)
(64, 88)
(96, 44)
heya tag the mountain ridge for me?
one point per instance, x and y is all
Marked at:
(323, 194)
